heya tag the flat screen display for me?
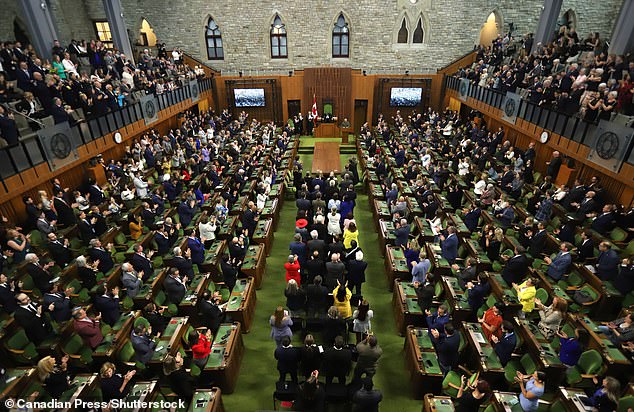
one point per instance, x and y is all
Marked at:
(405, 96)
(249, 97)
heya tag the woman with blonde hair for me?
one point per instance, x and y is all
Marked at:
(54, 375)
(179, 380)
(551, 316)
(113, 385)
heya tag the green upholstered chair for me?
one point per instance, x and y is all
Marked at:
(590, 363)
(20, 349)
(625, 403)
(80, 355)
(542, 295)
(451, 384)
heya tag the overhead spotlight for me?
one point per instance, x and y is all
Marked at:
(290, 73)
(365, 72)
(240, 73)
(406, 72)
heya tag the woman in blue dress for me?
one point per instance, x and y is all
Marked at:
(532, 390)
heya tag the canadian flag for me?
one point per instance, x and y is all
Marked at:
(314, 109)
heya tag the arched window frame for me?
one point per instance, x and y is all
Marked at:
(213, 36)
(341, 38)
(420, 23)
(403, 26)
(279, 40)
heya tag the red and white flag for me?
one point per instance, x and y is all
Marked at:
(314, 109)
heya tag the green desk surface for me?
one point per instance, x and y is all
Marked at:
(171, 327)
(223, 332)
(593, 326)
(383, 208)
(408, 289)
(443, 405)
(512, 400)
(234, 302)
(137, 391)
(216, 357)
(78, 381)
(388, 225)
(423, 339)
(158, 355)
(412, 306)
(492, 361)
(460, 224)
(616, 354)
(500, 280)
(610, 289)
(275, 190)
(550, 354)
(12, 373)
(204, 397)
(430, 363)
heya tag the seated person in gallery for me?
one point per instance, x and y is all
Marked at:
(345, 124)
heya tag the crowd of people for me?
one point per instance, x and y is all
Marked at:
(64, 227)
(325, 272)
(81, 81)
(480, 172)
(574, 76)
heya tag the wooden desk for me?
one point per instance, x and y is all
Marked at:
(375, 191)
(542, 351)
(263, 234)
(144, 391)
(458, 223)
(16, 380)
(457, 299)
(569, 399)
(271, 210)
(85, 384)
(380, 210)
(422, 363)
(481, 353)
(506, 402)
(504, 295)
(395, 265)
(149, 290)
(440, 265)
(405, 306)
(618, 364)
(414, 208)
(189, 304)
(433, 403)
(170, 340)
(386, 235)
(228, 227)
(424, 229)
(327, 130)
(239, 206)
(223, 365)
(254, 263)
(482, 260)
(241, 304)
(113, 342)
(207, 400)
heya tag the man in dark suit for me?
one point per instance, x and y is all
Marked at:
(337, 361)
(316, 297)
(287, 359)
(367, 399)
(472, 217)
(65, 214)
(575, 195)
(316, 245)
(60, 302)
(174, 286)
(98, 253)
(558, 266)
(449, 245)
(8, 293)
(30, 317)
(149, 215)
(505, 345)
(59, 112)
(607, 262)
(24, 77)
(141, 262)
(250, 219)
(446, 345)
(97, 196)
(507, 179)
(553, 166)
(86, 229)
(142, 343)
(604, 222)
(587, 205)
(107, 303)
(196, 248)
(516, 267)
(183, 263)
(538, 241)
(237, 248)
(59, 250)
(39, 273)
(229, 271)
(401, 231)
(8, 127)
(586, 247)
(210, 310)
(186, 212)
(314, 267)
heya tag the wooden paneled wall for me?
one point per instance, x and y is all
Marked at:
(618, 186)
(29, 182)
(329, 84)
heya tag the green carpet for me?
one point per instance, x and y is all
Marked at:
(258, 372)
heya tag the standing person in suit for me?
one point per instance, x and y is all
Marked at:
(437, 320)
(587, 206)
(287, 360)
(337, 362)
(8, 292)
(186, 211)
(65, 214)
(449, 245)
(180, 381)
(183, 263)
(143, 343)
(175, 286)
(196, 248)
(505, 345)
(472, 217)
(446, 346)
(59, 251)
(39, 273)
(131, 280)
(516, 267)
(420, 267)
(250, 219)
(86, 229)
(554, 165)
(607, 262)
(87, 328)
(210, 310)
(316, 298)
(229, 271)
(31, 318)
(107, 303)
(141, 261)
(558, 266)
(367, 398)
(60, 301)
(586, 247)
(356, 272)
(369, 354)
(538, 240)
(401, 231)
(86, 272)
(102, 255)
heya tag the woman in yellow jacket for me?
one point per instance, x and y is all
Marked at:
(526, 295)
(136, 226)
(342, 297)
(350, 234)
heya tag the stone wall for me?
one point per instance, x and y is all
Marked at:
(451, 28)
